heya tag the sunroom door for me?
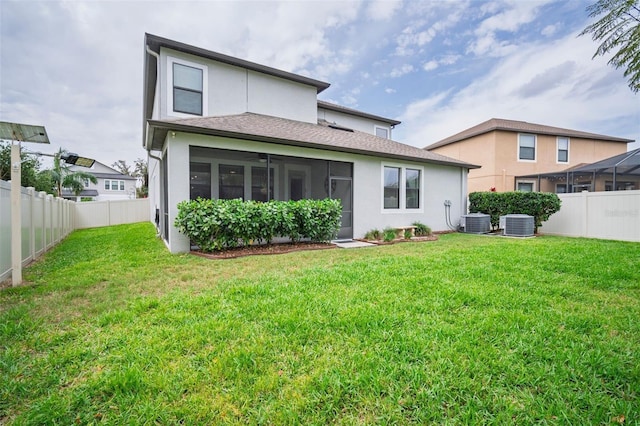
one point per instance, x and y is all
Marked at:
(341, 189)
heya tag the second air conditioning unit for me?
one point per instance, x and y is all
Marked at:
(517, 225)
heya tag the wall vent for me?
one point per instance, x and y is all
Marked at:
(517, 225)
(476, 223)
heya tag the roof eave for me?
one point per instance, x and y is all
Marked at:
(156, 42)
(161, 128)
(340, 108)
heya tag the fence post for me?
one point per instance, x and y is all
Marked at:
(32, 223)
(585, 209)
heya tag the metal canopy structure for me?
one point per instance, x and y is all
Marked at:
(621, 171)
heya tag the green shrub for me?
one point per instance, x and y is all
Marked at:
(219, 224)
(421, 230)
(408, 234)
(388, 234)
(374, 234)
(540, 205)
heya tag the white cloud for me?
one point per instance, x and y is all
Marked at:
(549, 30)
(382, 10)
(444, 60)
(554, 84)
(389, 90)
(430, 66)
(398, 72)
(509, 20)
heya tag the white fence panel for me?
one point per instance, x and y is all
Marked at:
(93, 214)
(5, 229)
(47, 220)
(613, 215)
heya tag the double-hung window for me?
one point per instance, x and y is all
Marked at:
(391, 187)
(412, 199)
(401, 188)
(526, 147)
(187, 88)
(113, 185)
(563, 150)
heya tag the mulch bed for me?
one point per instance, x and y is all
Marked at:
(281, 248)
(263, 249)
(432, 237)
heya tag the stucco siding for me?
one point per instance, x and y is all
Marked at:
(234, 90)
(281, 98)
(497, 153)
(439, 183)
(353, 122)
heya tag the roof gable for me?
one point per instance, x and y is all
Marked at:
(521, 126)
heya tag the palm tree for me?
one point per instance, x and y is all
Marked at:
(63, 177)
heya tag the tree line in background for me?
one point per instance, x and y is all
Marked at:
(60, 176)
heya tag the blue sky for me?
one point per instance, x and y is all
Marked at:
(438, 66)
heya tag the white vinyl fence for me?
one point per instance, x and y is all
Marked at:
(47, 220)
(93, 214)
(613, 215)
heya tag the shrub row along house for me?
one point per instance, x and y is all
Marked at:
(220, 127)
(516, 155)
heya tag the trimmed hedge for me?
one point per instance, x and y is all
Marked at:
(220, 224)
(540, 205)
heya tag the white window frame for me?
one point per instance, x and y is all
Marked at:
(558, 149)
(205, 87)
(387, 129)
(120, 183)
(402, 189)
(535, 148)
(532, 182)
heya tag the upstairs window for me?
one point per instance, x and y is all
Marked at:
(382, 132)
(563, 150)
(526, 147)
(187, 89)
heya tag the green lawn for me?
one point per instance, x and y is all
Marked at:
(465, 330)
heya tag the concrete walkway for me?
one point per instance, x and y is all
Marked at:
(353, 244)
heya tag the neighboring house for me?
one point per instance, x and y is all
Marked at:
(508, 150)
(221, 127)
(112, 185)
(618, 173)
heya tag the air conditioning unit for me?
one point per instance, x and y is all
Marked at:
(517, 225)
(476, 223)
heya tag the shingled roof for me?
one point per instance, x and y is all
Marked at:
(324, 135)
(522, 126)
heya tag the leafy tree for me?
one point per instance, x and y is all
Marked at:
(122, 167)
(29, 170)
(618, 31)
(63, 177)
(139, 171)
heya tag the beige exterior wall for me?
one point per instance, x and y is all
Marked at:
(497, 153)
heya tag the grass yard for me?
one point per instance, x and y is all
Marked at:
(465, 330)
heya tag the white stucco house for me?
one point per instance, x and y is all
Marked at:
(112, 185)
(221, 127)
